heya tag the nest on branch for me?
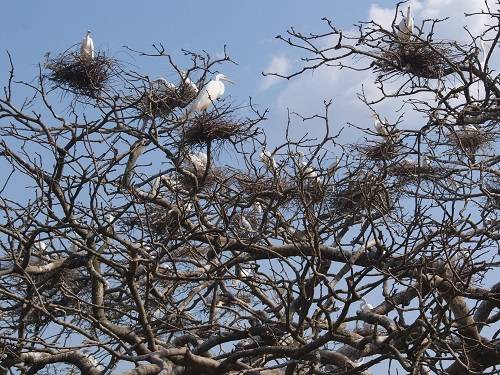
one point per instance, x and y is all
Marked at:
(419, 59)
(200, 178)
(161, 98)
(364, 193)
(81, 75)
(470, 139)
(378, 151)
(216, 128)
(275, 187)
(409, 171)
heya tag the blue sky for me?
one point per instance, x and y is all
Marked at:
(30, 29)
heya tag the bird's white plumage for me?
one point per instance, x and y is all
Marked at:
(257, 207)
(41, 246)
(266, 157)
(187, 81)
(379, 126)
(199, 160)
(484, 53)
(365, 306)
(109, 218)
(245, 224)
(405, 27)
(212, 91)
(424, 161)
(161, 84)
(87, 47)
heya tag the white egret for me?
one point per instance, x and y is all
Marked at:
(156, 185)
(245, 224)
(87, 47)
(41, 246)
(379, 126)
(257, 208)
(266, 157)
(307, 170)
(425, 162)
(109, 218)
(212, 91)
(366, 307)
(188, 83)
(470, 128)
(484, 53)
(199, 161)
(405, 27)
(162, 85)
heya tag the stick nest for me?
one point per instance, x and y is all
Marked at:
(378, 151)
(82, 76)
(419, 59)
(410, 171)
(159, 100)
(471, 140)
(212, 127)
(366, 193)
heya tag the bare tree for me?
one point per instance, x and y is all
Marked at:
(130, 244)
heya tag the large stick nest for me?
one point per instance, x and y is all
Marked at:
(471, 140)
(378, 151)
(418, 59)
(410, 171)
(80, 75)
(365, 193)
(159, 100)
(210, 127)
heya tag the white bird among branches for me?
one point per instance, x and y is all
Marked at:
(212, 91)
(87, 47)
(405, 27)
(266, 157)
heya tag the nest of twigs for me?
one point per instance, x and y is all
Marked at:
(160, 99)
(200, 178)
(408, 171)
(271, 186)
(470, 140)
(378, 151)
(213, 127)
(367, 193)
(419, 59)
(80, 75)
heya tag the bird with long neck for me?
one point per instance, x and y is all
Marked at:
(87, 47)
(405, 27)
(212, 91)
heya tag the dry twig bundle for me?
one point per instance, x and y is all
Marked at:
(161, 99)
(376, 151)
(82, 76)
(470, 140)
(419, 59)
(214, 127)
(365, 193)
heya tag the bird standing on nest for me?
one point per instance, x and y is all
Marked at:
(212, 91)
(379, 126)
(405, 27)
(266, 157)
(87, 47)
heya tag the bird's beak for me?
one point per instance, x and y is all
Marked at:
(228, 80)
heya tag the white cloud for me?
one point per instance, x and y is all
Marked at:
(279, 65)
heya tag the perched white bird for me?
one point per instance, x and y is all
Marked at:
(162, 85)
(199, 161)
(257, 208)
(470, 128)
(366, 307)
(484, 53)
(308, 171)
(424, 161)
(187, 81)
(87, 47)
(156, 185)
(245, 224)
(379, 126)
(109, 218)
(266, 157)
(212, 91)
(41, 246)
(405, 27)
